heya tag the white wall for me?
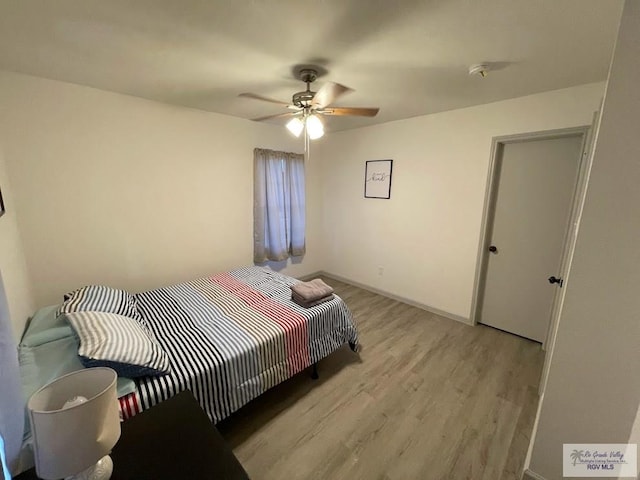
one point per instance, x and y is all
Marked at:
(131, 193)
(119, 190)
(426, 236)
(13, 266)
(593, 390)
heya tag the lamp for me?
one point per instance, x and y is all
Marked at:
(75, 423)
(295, 126)
(312, 123)
(315, 129)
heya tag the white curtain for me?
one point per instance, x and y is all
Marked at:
(12, 402)
(278, 205)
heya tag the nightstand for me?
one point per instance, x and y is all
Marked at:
(172, 440)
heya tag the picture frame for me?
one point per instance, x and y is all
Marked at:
(1, 204)
(377, 179)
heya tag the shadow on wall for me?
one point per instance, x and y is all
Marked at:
(281, 265)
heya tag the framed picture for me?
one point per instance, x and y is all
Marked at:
(377, 179)
(1, 204)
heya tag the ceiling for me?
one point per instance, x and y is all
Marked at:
(408, 57)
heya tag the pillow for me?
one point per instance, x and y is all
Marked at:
(41, 323)
(118, 342)
(46, 326)
(98, 298)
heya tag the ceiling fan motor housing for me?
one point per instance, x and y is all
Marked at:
(303, 99)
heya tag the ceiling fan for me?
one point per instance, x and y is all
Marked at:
(307, 107)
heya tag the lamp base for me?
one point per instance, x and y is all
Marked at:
(100, 471)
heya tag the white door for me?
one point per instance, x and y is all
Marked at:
(535, 185)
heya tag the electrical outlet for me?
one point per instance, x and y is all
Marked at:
(380, 271)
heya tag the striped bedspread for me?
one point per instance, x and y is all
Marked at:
(232, 336)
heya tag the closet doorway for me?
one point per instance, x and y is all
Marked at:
(530, 208)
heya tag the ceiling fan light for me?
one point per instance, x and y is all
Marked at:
(315, 129)
(295, 126)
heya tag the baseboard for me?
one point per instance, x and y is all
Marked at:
(310, 276)
(398, 298)
(529, 475)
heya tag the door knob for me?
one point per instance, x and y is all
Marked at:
(493, 249)
(553, 279)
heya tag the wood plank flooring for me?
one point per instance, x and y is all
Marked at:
(427, 398)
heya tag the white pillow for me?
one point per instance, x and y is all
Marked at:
(118, 342)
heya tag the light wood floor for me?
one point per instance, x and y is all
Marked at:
(427, 398)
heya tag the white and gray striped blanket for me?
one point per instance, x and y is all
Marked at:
(232, 336)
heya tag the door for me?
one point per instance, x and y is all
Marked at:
(535, 186)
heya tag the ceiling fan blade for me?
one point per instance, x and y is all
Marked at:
(342, 111)
(328, 93)
(255, 96)
(277, 115)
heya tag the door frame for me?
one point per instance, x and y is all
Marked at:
(488, 213)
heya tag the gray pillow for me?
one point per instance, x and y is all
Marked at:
(118, 342)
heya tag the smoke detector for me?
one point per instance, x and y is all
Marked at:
(479, 69)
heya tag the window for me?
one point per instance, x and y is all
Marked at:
(278, 205)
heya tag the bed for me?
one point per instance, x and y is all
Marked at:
(234, 335)
(228, 338)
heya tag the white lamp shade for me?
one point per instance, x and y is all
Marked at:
(70, 440)
(295, 126)
(315, 129)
